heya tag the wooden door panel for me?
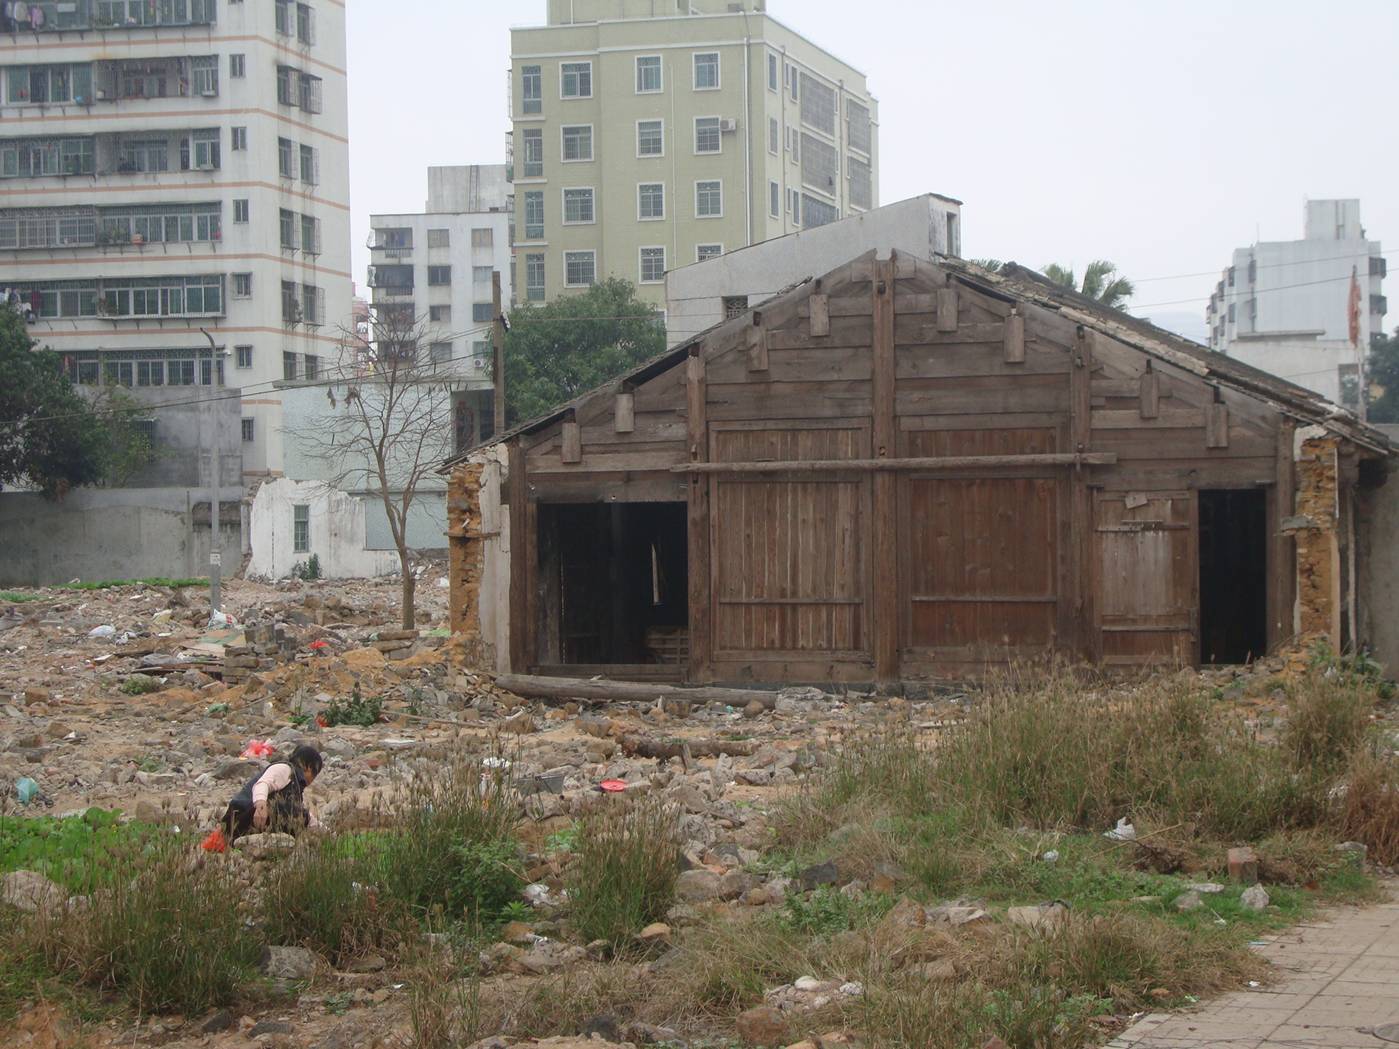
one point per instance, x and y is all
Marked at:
(1146, 579)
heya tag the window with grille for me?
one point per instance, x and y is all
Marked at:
(580, 268)
(439, 275)
(532, 139)
(648, 74)
(707, 71)
(650, 200)
(774, 136)
(577, 142)
(289, 369)
(859, 128)
(817, 212)
(300, 529)
(534, 278)
(310, 234)
(288, 229)
(708, 138)
(204, 75)
(482, 313)
(531, 90)
(242, 285)
(772, 72)
(576, 79)
(534, 214)
(577, 206)
(200, 150)
(735, 306)
(708, 251)
(439, 314)
(310, 165)
(248, 431)
(774, 200)
(305, 24)
(483, 238)
(820, 164)
(286, 158)
(243, 356)
(818, 105)
(652, 265)
(650, 138)
(313, 367)
(709, 200)
(482, 274)
(240, 211)
(861, 187)
(440, 352)
(237, 66)
(439, 238)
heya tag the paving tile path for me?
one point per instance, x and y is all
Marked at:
(1337, 980)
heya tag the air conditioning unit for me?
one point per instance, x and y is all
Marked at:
(728, 124)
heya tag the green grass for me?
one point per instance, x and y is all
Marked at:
(109, 584)
(626, 858)
(17, 598)
(77, 852)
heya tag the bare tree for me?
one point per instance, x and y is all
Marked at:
(388, 426)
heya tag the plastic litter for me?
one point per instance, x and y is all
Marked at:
(612, 786)
(1124, 831)
(26, 789)
(215, 842)
(1052, 856)
(258, 748)
(105, 630)
(495, 763)
(221, 620)
(319, 644)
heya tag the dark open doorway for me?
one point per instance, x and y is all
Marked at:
(614, 586)
(1233, 575)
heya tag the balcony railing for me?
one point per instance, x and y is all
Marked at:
(57, 16)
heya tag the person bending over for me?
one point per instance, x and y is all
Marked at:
(273, 801)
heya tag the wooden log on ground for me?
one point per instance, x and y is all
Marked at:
(567, 689)
(664, 749)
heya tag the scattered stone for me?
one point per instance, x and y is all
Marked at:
(31, 892)
(656, 932)
(1208, 888)
(1189, 901)
(521, 724)
(1243, 866)
(697, 886)
(266, 1027)
(223, 1020)
(762, 1026)
(754, 709)
(906, 914)
(818, 875)
(1043, 917)
(1254, 898)
(288, 963)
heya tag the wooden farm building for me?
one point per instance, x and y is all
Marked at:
(904, 470)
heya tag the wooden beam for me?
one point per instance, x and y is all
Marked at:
(820, 315)
(1216, 425)
(1150, 393)
(1081, 497)
(624, 412)
(570, 689)
(1015, 337)
(700, 573)
(896, 465)
(520, 539)
(947, 308)
(757, 349)
(571, 441)
(1282, 548)
(884, 604)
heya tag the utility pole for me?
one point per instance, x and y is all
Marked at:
(498, 345)
(215, 554)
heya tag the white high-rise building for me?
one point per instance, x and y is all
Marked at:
(1285, 306)
(168, 166)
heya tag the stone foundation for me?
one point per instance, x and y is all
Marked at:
(265, 645)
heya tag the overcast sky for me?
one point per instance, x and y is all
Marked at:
(1159, 135)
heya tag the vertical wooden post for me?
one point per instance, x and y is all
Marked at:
(1081, 496)
(1015, 337)
(498, 354)
(520, 544)
(701, 576)
(571, 440)
(820, 313)
(1150, 393)
(947, 308)
(624, 412)
(1217, 423)
(884, 591)
(1282, 547)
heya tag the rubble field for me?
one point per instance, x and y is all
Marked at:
(1028, 862)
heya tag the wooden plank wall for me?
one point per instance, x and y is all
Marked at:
(858, 576)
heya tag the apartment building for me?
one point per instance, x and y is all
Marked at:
(433, 270)
(1285, 306)
(169, 167)
(651, 134)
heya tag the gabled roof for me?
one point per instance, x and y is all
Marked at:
(1014, 283)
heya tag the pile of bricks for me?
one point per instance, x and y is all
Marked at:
(397, 644)
(265, 646)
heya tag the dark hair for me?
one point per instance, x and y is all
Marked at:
(309, 758)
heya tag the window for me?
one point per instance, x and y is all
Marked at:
(313, 368)
(248, 431)
(310, 234)
(577, 206)
(300, 529)
(482, 274)
(820, 164)
(201, 150)
(242, 285)
(286, 153)
(137, 155)
(708, 251)
(531, 90)
(735, 306)
(650, 138)
(482, 313)
(283, 19)
(709, 200)
(240, 210)
(313, 304)
(534, 214)
(237, 66)
(204, 75)
(305, 24)
(437, 276)
(707, 71)
(857, 173)
(309, 95)
(772, 73)
(150, 373)
(440, 352)
(580, 268)
(576, 80)
(774, 136)
(817, 212)
(534, 278)
(439, 314)
(439, 238)
(239, 138)
(27, 157)
(648, 74)
(289, 362)
(577, 142)
(310, 165)
(286, 85)
(858, 126)
(291, 314)
(243, 356)
(532, 139)
(774, 200)
(288, 228)
(818, 105)
(650, 202)
(707, 136)
(54, 83)
(398, 239)
(793, 83)
(652, 265)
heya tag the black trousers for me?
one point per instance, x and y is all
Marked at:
(285, 815)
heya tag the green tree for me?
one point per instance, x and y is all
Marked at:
(49, 436)
(1383, 371)
(1101, 282)
(555, 352)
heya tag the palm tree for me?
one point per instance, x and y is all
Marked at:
(1100, 282)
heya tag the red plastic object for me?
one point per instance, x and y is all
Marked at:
(215, 842)
(319, 644)
(613, 786)
(258, 748)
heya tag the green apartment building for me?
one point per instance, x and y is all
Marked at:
(651, 134)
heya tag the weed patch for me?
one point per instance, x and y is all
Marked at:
(76, 852)
(354, 710)
(625, 863)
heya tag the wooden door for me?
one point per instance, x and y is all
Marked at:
(1147, 578)
(789, 551)
(979, 556)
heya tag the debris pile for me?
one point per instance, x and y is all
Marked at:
(266, 644)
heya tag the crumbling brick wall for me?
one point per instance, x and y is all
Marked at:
(1319, 598)
(467, 549)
